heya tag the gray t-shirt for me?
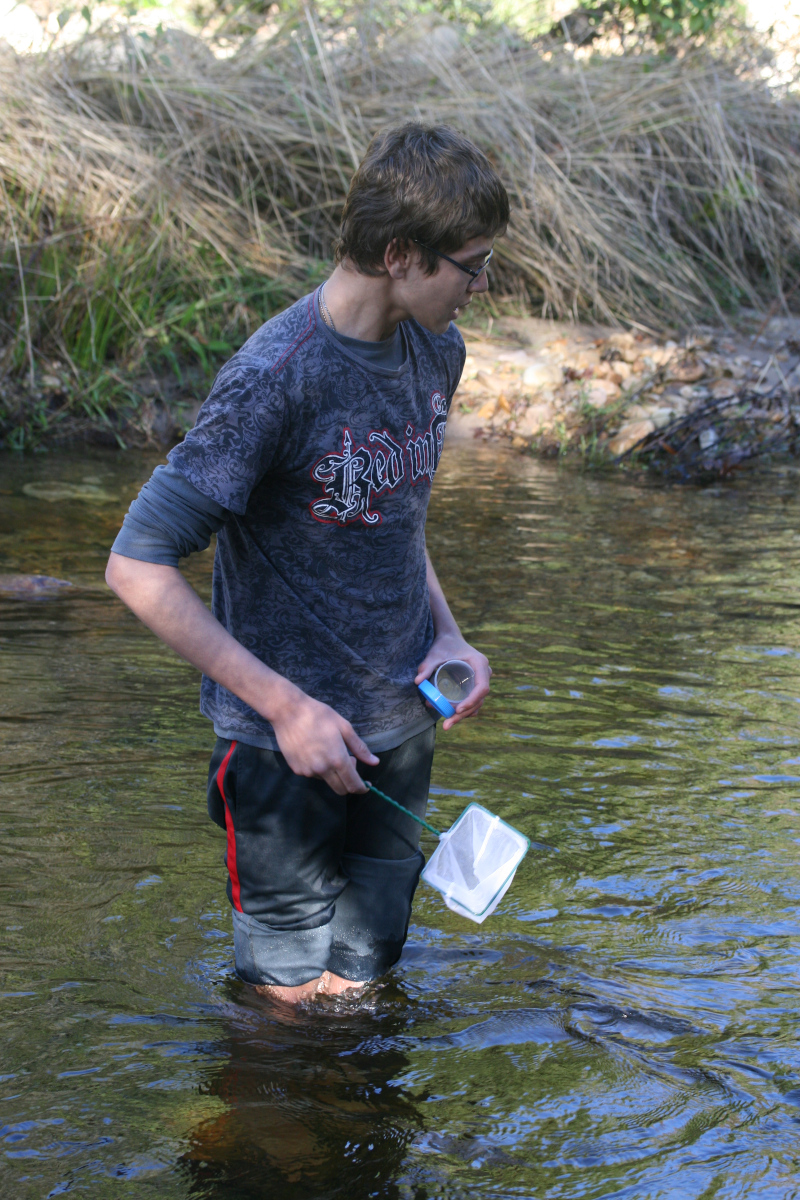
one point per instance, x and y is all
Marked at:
(388, 353)
(324, 462)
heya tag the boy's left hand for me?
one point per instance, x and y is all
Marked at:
(450, 645)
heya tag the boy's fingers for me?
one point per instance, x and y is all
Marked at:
(349, 778)
(460, 716)
(354, 777)
(358, 747)
(483, 676)
(342, 776)
(470, 706)
(480, 690)
(334, 783)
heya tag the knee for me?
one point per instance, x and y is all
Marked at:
(370, 924)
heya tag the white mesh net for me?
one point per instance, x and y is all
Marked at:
(475, 861)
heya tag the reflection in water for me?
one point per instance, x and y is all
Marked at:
(625, 1020)
(311, 1109)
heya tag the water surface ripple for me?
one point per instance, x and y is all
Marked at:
(624, 1026)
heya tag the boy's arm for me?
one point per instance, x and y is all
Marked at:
(448, 642)
(313, 738)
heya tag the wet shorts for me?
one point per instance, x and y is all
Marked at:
(318, 881)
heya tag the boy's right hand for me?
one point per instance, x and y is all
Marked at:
(317, 742)
(313, 738)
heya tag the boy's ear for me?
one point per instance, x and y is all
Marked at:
(399, 258)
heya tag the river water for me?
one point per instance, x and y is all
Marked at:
(625, 1025)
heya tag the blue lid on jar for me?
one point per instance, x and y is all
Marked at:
(435, 697)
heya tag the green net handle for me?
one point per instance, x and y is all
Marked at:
(402, 808)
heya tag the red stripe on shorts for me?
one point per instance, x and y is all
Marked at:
(231, 855)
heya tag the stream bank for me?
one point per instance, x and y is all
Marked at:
(693, 408)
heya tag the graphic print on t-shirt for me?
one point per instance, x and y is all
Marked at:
(353, 478)
(425, 451)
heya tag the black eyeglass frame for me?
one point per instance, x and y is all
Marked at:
(461, 267)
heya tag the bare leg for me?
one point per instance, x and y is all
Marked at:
(327, 984)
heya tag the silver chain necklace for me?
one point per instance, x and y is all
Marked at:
(324, 310)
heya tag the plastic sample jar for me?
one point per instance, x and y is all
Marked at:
(452, 683)
(455, 679)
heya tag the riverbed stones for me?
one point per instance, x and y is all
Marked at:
(602, 391)
(619, 371)
(689, 372)
(536, 419)
(547, 386)
(489, 382)
(542, 375)
(660, 415)
(487, 410)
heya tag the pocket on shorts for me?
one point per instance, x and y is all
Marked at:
(221, 769)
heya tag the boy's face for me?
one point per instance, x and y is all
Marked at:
(436, 300)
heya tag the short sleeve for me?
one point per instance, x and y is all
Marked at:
(237, 435)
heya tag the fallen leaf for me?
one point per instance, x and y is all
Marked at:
(629, 435)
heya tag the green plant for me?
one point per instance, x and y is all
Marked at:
(665, 19)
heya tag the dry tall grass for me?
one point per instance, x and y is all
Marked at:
(155, 196)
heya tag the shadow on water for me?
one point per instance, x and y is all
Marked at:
(624, 1025)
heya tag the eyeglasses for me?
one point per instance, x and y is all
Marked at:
(461, 267)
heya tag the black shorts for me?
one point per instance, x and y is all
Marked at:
(318, 881)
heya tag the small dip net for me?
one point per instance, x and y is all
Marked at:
(475, 861)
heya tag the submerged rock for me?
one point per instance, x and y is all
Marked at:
(90, 493)
(32, 585)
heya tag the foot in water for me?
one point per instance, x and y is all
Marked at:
(328, 984)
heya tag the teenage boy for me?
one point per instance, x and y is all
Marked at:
(312, 459)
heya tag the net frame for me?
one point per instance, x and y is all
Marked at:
(429, 872)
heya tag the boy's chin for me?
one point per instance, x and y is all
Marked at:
(439, 324)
